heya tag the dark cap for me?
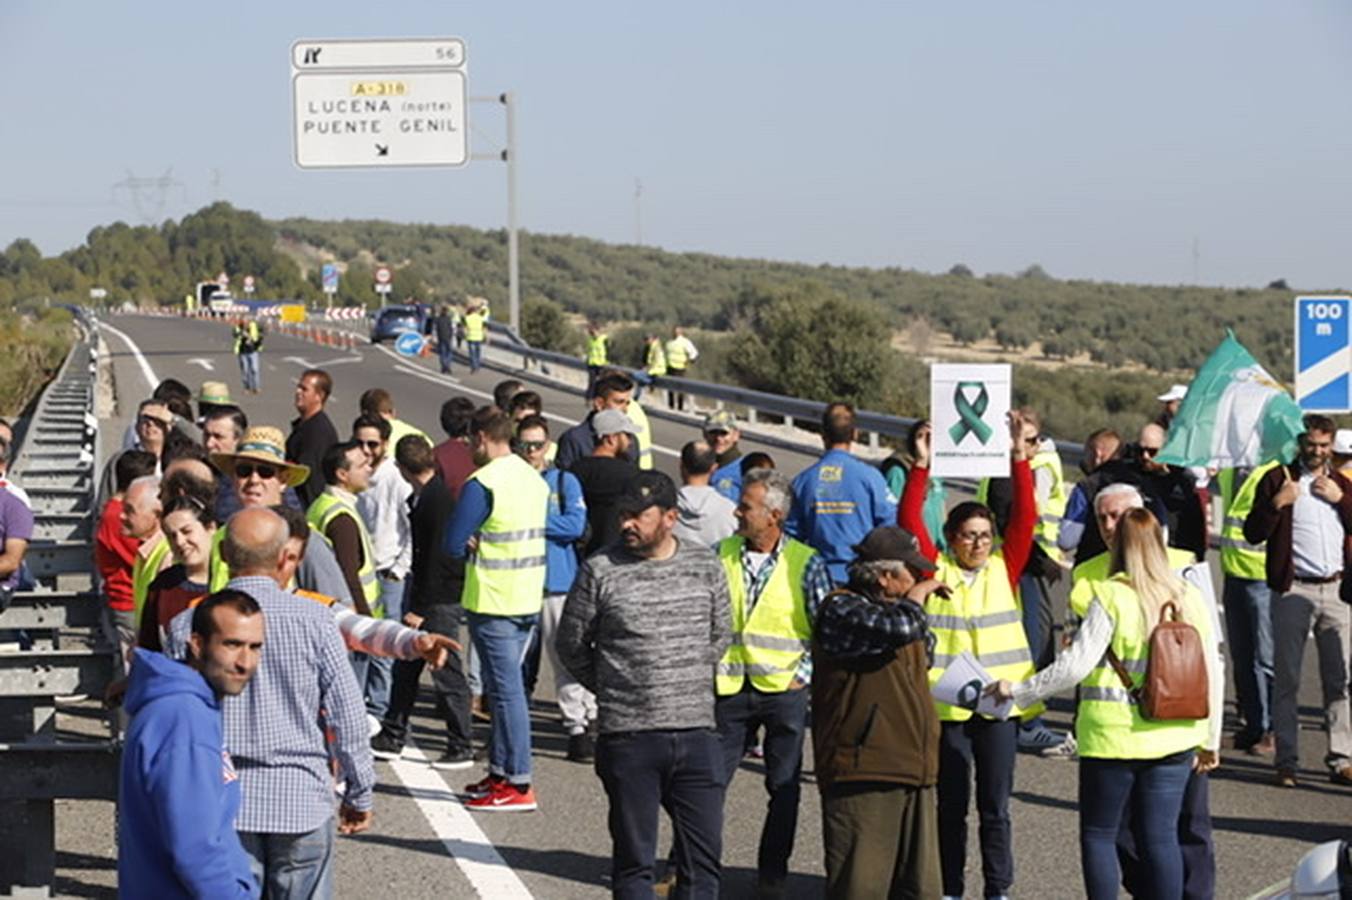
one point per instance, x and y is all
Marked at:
(644, 490)
(888, 542)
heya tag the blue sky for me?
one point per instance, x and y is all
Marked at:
(1097, 140)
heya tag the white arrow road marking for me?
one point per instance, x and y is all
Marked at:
(302, 361)
(204, 363)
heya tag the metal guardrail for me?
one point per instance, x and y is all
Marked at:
(59, 620)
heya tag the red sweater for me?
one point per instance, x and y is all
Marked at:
(114, 555)
(1017, 543)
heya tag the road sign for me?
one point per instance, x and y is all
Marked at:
(969, 406)
(248, 284)
(1323, 354)
(97, 293)
(379, 103)
(383, 275)
(329, 278)
(410, 343)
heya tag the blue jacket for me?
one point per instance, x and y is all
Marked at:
(179, 792)
(727, 480)
(836, 502)
(565, 524)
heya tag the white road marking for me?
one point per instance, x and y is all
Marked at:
(305, 363)
(485, 869)
(425, 375)
(148, 372)
(204, 363)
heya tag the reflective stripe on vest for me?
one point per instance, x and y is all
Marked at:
(643, 434)
(1239, 558)
(506, 575)
(1109, 724)
(768, 646)
(324, 510)
(597, 354)
(981, 618)
(143, 571)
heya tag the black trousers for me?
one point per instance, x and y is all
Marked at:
(784, 718)
(988, 748)
(675, 399)
(452, 689)
(680, 772)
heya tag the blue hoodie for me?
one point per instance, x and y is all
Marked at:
(179, 792)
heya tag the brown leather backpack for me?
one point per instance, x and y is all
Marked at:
(1175, 685)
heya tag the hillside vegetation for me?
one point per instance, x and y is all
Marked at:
(813, 331)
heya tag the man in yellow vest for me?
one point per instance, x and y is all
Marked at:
(1248, 610)
(476, 332)
(499, 529)
(598, 353)
(248, 342)
(680, 353)
(141, 520)
(775, 584)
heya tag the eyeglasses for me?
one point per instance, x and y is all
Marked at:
(530, 446)
(974, 537)
(370, 445)
(246, 470)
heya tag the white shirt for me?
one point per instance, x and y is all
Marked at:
(1316, 534)
(384, 508)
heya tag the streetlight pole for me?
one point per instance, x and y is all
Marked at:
(508, 155)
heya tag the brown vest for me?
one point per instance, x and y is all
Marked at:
(873, 719)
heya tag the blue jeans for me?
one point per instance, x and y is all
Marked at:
(501, 644)
(984, 748)
(445, 355)
(679, 771)
(1248, 628)
(248, 369)
(476, 353)
(1195, 842)
(1154, 790)
(378, 670)
(293, 865)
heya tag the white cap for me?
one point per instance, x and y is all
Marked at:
(1342, 442)
(1175, 392)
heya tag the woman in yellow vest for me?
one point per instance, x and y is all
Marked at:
(979, 614)
(1126, 760)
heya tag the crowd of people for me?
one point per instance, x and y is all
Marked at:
(308, 578)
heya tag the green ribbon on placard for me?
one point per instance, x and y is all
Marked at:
(970, 413)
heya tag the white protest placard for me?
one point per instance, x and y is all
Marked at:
(962, 684)
(969, 407)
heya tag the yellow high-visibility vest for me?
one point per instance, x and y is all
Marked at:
(1109, 725)
(677, 358)
(474, 326)
(1238, 557)
(657, 361)
(983, 619)
(143, 571)
(598, 353)
(506, 575)
(643, 433)
(327, 507)
(1097, 568)
(768, 646)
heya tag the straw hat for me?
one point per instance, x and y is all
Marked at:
(215, 393)
(263, 444)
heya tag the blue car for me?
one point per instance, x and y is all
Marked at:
(392, 321)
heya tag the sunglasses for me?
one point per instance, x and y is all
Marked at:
(370, 445)
(246, 470)
(530, 446)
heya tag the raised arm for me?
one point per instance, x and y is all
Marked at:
(1018, 536)
(911, 509)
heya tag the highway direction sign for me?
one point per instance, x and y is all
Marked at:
(378, 104)
(329, 278)
(1323, 354)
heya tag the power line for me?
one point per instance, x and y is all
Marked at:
(150, 195)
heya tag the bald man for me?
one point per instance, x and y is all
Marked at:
(1169, 491)
(273, 729)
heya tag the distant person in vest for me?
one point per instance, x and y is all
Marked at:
(476, 332)
(1126, 760)
(598, 353)
(1303, 510)
(775, 584)
(1248, 609)
(248, 338)
(443, 329)
(680, 352)
(980, 615)
(871, 679)
(499, 528)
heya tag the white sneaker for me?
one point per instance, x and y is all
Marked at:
(1067, 749)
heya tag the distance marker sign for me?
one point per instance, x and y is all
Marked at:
(1323, 354)
(378, 104)
(969, 407)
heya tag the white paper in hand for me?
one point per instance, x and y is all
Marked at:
(962, 684)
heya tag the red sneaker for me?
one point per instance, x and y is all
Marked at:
(505, 798)
(483, 787)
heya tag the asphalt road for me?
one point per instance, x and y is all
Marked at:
(424, 845)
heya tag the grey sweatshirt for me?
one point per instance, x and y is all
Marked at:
(644, 636)
(706, 516)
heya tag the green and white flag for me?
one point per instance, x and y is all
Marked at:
(1235, 414)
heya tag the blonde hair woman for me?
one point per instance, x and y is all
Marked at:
(1125, 758)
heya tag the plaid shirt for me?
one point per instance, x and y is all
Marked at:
(275, 729)
(816, 585)
(851, 626)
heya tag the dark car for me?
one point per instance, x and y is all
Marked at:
(392, 321)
